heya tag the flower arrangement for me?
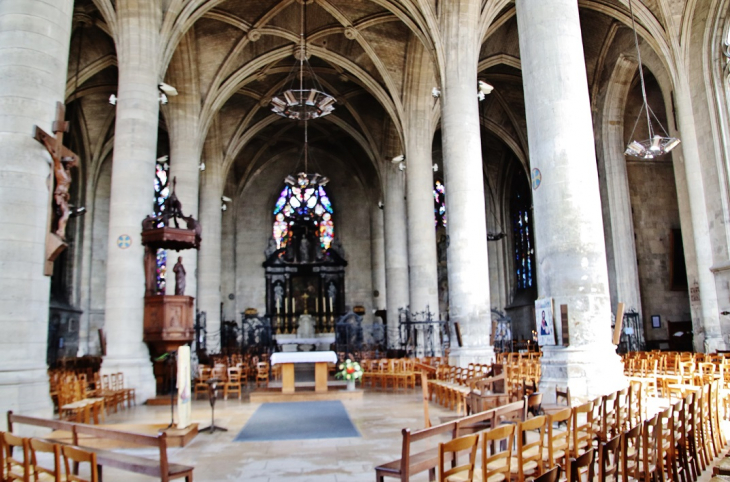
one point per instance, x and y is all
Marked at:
(349, 370)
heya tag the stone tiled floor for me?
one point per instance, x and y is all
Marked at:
(379, 417)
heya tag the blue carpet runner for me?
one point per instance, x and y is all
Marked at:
(298, 421)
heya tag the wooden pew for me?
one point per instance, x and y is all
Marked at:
(161, 468)
(412, 463)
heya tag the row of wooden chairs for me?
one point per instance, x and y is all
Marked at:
(452, 385)
(388, 373)
(20, 461)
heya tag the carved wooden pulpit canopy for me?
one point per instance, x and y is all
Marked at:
(168, 319)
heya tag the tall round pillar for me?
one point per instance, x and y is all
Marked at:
(133, 173)
(34, 48)
(209, 255)
(377, 250)
(569, 240)
(469, 303)
(396, 249)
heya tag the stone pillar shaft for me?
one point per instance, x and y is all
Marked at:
(209, 255)
(572, 265)
(183, 113)
(396, 249)
(709, 337)
(377, 243)
(34, 48)
(468, 265)
(133, 171)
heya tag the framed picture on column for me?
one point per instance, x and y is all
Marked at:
(544, 321)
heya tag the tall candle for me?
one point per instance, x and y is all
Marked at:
(286, 305)
(316, 305)
(293, 305)
(331, 310)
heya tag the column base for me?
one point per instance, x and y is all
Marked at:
(462, 356)
(713, 344)
(25, 391)
(588, 370)
(137, 374)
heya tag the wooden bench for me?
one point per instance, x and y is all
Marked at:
(161, 468)
(412, 463)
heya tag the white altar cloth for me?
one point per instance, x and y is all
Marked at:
(303, 357)
(329, 339)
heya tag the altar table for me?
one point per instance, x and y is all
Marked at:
(288, 359)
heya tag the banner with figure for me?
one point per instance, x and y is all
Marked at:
(184, 405)
(544, 321)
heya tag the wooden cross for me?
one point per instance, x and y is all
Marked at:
(63, 161)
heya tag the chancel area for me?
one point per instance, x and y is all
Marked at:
(499, 207)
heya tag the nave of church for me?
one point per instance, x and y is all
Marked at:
(396, 178)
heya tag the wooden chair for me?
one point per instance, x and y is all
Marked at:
(16, 468)
(73, 456)
(552, 475)
(529, 455)
(262, 373)
(497, 446)
(558, 441)
(203, 376)
(233, 383)
(562, 400)
(645, 469)
(449, 451)
(630, 452)
(40, 473)
(609, 459)
(582, 429)
(129, 393)
(582, 464)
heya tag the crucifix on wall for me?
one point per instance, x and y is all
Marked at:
(63, 161)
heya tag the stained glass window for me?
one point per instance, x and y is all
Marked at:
(303, 198)
(162, 191)
(439, 204)
(524, 252)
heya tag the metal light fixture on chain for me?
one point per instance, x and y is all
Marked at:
(303, 103)
(656, 145)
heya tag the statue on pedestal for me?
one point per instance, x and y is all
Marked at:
(179, 271)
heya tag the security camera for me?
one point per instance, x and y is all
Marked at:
(435, 167)
(202, 166)
(226, 199)
(402, 166)
(485, 88)
(113, 99)
(435, 92)
(163, 158)
(168, 89)
(396, 159)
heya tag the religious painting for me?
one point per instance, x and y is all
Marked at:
(544, 321)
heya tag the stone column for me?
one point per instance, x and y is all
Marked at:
(133, 171)
(183, 113)
(569, 240)
(209, 256)
(422, 259)
(377, 249)
(625, 269)
(709, 338)
(34, 47)
(396, 249)
(468, 265)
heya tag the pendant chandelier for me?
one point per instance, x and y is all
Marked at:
(657, 144)
(300, 102)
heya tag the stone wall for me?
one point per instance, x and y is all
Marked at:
(655, 212)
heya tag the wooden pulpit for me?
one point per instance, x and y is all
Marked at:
(168, 322)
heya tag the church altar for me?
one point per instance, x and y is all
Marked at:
(288, 359)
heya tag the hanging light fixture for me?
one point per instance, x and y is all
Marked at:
(656, 145)
(302, 103)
